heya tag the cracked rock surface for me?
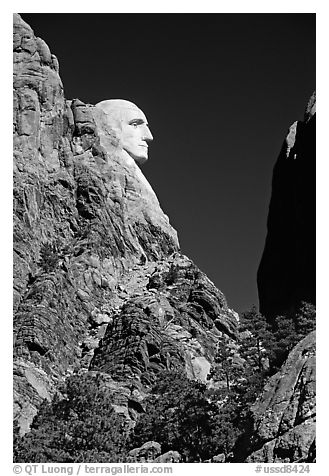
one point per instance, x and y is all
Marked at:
(284, 416)
(100, 284)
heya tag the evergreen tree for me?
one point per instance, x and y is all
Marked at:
(305, 319)
(289, 330)
(227, 366)
(260, 341)
(179, 416)
(256, 339)
(82, 426)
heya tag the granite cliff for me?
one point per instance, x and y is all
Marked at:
(286, 274)
(101, 287)
(100, 283)
(283, 418)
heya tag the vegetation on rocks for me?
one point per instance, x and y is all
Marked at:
(196, 419)
(80, 426)
(288, 330)
(103, 294)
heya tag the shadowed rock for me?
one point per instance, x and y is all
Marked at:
(286, 274)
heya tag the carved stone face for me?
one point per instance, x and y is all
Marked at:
(130, 125)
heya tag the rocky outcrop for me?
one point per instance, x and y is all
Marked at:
(286, 275)
(150, 452)
(146, 453)
(284, 416)
(173, 319)
(169, 457)
(100, 284)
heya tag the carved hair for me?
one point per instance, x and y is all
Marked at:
(113, 107)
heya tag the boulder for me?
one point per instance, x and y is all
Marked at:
(146, 453)
(169, 457)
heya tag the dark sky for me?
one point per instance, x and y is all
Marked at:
(219, 91)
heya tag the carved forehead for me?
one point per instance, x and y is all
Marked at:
(121, 109)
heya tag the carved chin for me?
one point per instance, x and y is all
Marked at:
(140, 160)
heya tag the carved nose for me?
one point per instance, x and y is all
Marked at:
(148, 135)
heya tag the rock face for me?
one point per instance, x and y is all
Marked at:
(173, 319)
(150, 452)
(284, 416)
(100, 284)
(286, 275)
(146, 453)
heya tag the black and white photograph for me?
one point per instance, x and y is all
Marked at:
(164, 239)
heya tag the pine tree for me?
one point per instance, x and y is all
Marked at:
(256, 339)
(305, 319)
(227, 367)
(289, 330)
(82, 426)
(179, 417)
